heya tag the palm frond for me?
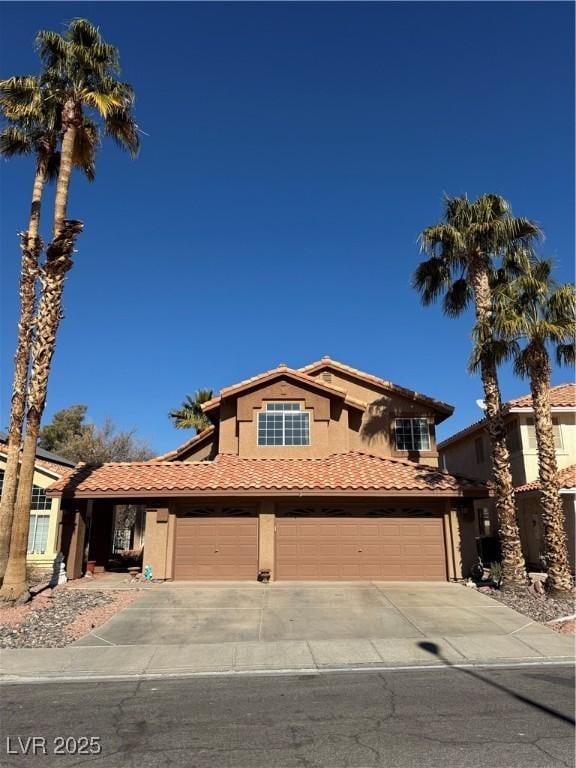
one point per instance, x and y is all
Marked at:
(566, 354)
(86, 145)
(457, 297)
(14, 141)
(431, 278)
(105, 102)
(122, 128)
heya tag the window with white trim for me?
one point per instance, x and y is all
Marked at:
(532, 443)
(38, 534)
(39, 499)
(412, 434)
(283, 424)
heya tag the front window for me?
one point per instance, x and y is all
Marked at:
(39, 499)
(412, 435)
(38, 534)
(532, 442)
(283, 424)
(484, 522)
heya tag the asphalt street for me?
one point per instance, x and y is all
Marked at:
(516, 717)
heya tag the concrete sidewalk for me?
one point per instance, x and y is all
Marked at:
(125, 661)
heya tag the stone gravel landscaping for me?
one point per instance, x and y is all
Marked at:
(55, 618)
(539, 607)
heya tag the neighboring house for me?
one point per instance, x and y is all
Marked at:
(43, 539)
(324, 473)
(468, 451)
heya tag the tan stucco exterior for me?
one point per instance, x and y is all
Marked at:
(532, 531)
(156, 543)
(336, 426)
(463, 456)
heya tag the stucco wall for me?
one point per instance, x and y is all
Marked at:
(532, 530)
(156, 542)
(375, 432)
(461, 455)
(335, 427)
(565, 454)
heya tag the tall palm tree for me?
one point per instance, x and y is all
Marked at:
(533, 309)
(36, 132)
(463, 249)
(79, 72)
(190, 414)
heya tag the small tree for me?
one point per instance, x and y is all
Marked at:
(69, 435)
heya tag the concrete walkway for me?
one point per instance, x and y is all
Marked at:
(182, 629)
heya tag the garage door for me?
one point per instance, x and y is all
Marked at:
(353, 548)
(216, 548)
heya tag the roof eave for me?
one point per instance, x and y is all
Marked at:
(257, 492)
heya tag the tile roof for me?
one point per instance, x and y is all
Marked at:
(566, 477)
(48, 457)
(561, 396)
(327, 362)
(228, 474)
(274, 373)
(178, 451)
(61, 468)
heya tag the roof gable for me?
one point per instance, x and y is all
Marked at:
(281, 372)
(326, 364)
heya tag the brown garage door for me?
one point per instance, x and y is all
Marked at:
(354, 548)
(216, 548)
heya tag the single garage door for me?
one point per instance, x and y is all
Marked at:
(355, 548)
(217, 548)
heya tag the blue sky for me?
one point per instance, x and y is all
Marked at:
(292, 154)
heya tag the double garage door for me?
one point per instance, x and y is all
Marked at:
(313, 548)
(360, 548)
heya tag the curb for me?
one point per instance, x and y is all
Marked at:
(5, 679)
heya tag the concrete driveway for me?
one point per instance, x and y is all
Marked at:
(186, 614)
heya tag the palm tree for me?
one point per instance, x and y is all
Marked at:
(79, 72)
(463, 249)
(34, 133)
(190, 414)
(532, 308)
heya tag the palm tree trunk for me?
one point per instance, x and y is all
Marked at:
(31, 247)
(58, 262)
(71, 119)
(513, 565)
(556, 541)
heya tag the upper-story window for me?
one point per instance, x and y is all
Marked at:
(513, 441)
(412, 435)
(283, 424)
(479, 450)
(533, 445)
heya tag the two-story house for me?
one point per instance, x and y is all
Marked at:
(468, 451)
(318, 473)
